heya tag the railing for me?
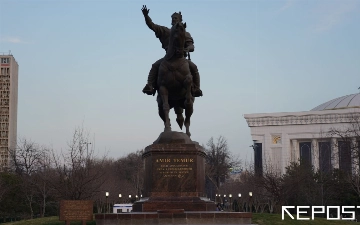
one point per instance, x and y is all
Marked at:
(6, 53)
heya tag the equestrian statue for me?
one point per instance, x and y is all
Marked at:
(175, 78)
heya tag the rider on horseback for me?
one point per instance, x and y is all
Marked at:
(163, 34)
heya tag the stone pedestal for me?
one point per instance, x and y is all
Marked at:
(174, 175)
(174, 188)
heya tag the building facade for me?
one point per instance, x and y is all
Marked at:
(8, 107)
(281, 138)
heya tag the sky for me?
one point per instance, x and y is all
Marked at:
(85, 63)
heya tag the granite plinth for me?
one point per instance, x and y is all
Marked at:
(174, 175)
(178, 217)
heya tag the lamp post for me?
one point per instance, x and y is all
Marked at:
(230, 196)
(87, 146)
(120, 198)
(130, 198)
(239, 195)
(215, 198)
(136, 197)
(106, 195)
(224, 201)
(250, 201)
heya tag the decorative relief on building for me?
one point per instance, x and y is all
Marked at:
(299, 120)
(276, 139)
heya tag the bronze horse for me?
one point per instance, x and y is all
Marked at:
(175, 81)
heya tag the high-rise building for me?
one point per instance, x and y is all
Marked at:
(8, 106)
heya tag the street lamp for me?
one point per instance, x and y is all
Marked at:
(87, 146)
(136, 197)
(215, 198)
(239, 195)
(130, 198)
(106, 195)
(230, 196)
(250, 195)
(120, 198)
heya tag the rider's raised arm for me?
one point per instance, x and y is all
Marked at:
(160, 31)
(150, 23)
(154, 27)
(189, 42)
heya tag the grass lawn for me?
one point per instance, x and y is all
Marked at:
(275, 219)
(54, 220)
(261, 219)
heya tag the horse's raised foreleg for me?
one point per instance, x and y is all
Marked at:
(163, 92)
(189, 100)
(188, 112)
(160, 108)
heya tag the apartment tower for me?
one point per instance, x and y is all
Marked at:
(8, 106)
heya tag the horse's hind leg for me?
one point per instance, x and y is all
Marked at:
(179, 119)
(165, 107)
(188, 104)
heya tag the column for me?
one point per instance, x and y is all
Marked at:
(354, 156)
(295, 154)
(334, 154)
(315, 154)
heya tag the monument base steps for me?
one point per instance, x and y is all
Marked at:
(176, 216)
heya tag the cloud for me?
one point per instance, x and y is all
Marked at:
(287, 5)
(14, 40)
(333, 13)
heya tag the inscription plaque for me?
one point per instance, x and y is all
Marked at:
(174, 173)
(176, 167)
(76, 210)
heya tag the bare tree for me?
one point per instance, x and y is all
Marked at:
(3, 188)
(124, 176)
(79, 173)
(27, 159)
(219, 160)
(131, 168)
(41, 178)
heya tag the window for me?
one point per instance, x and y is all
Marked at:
(305, 152)
(325, 157)
(344, 156)
(5, 60)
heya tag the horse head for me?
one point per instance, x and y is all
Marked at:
(177, 40)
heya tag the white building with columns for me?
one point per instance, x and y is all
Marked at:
(280, 138)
